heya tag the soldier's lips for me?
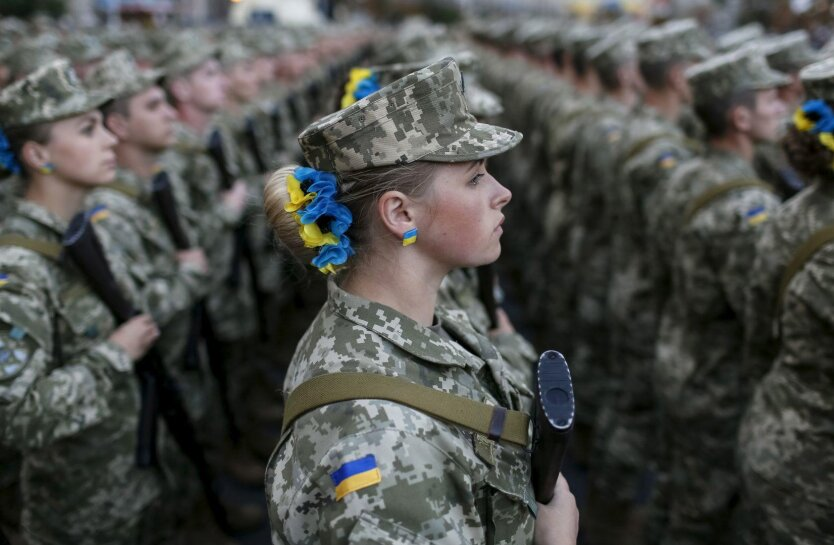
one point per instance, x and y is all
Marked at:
(498, 227)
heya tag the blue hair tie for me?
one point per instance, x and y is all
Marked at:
(7, 156)
(820, 114)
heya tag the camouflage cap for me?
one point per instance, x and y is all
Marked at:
(25, 59)
(789, 52)
(818, 80)
(232, 51)
(119, 76)
(50, 93)
(83, 48)
(739, 37)
(421, 117)
(724, 75)
(679, 40)
(615, 49)
(185, 52)
(580, 38)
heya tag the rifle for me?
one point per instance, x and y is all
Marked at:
(553, 423)
(201, 325)
(243, 247)
(486, 293)
(252, 141)
(160, 391)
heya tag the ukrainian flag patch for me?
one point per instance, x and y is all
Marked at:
(667, 160)
(410, 237)
(4, 279)
(99, 213)
(756, 215)
(356, 475)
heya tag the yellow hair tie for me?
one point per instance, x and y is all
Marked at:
(827, 140)
(357, 75)
(298, 198)
(801, 121)
(314, 238)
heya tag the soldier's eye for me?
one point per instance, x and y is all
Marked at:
(476, 180)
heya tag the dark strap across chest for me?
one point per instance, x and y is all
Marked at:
(492, 421)
(715, 192)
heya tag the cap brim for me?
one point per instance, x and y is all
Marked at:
(478, 142)
(770, 80)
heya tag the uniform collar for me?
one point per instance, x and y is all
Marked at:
(409, 335)
(41, 216)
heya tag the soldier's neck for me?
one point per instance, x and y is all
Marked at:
(664, 102)
(196, 119)
(140, 161)
(60, 197)
(735, 143)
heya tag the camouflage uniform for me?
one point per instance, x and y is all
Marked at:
(785, 439)
(697, 375)
(439, 483)
(69, 400)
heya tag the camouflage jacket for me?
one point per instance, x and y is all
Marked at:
(698, 368)
(69, 400)
(786, 435)
(439, 483)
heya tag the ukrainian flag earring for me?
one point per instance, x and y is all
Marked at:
(47, 168)
(410, 237)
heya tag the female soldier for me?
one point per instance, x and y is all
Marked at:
(786, 436)
(68, 396)
(398, 196)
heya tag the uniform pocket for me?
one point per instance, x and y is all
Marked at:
(371, 528)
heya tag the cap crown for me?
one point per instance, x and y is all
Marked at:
(790, 52)
(818, 80)
(120, 76)
(675, 41)
(725, 75)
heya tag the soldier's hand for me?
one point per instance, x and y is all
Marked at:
(194, 258)
(236, 197)
(136, 336)
(558, 521)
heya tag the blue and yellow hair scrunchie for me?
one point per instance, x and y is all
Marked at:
(361, 83)
(7, 158)
(816, 117)
(322, 222)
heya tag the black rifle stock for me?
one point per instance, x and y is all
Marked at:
(243, 247)
(486, 293)
(200, 325)
(552, 424)
(254, 148)
(83, 247)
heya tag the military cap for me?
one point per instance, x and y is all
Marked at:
(678, 40)
(48, 94)
(119, 76)
(421, 117)
(616, 48)
(185, 52)
(581, 37)
(25, 59)
(818, 80)
(735, 72)
(739, 37)
(83, 48)
(789, 52)
(232, 51)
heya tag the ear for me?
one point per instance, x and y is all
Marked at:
(676, 79)
(180, 89)
(117, 124)
(740, 119)
(396, 213)
(34, 155)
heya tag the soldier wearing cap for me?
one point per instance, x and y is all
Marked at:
(712, 208)
(788, 53)
(396, 198)
(785, 440)
(653, 145)
(70, 399)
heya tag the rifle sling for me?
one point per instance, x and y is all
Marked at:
(49, 250)
(716, 191)
(126, 190)
(495, 422)
(802, 255)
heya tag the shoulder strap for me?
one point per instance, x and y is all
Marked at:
(804, 253)
(720, 190)
(49, 250)
(495, 422)
(124, 189)
(643, 143)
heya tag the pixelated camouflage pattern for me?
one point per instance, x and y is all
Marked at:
(119, 76)
(616, 49)
(422, 116)
(75, 418)
(818, 80)
(725, 75)
(440, 483)
(790, 52)
(184, 52)
(785, 436)
(674, 41)
(82, 47)
(739, 37)
(698, 374)
(50, 93)
(26, 58)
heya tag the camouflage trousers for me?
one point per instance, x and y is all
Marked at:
(771, 516)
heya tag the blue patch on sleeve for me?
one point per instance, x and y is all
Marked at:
(355, 467)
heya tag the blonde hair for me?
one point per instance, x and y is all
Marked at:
(359, 191)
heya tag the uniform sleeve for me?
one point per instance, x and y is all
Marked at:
(40, 401)
(421, 495)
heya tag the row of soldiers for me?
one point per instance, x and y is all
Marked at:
(659, 217)
(196, 120)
